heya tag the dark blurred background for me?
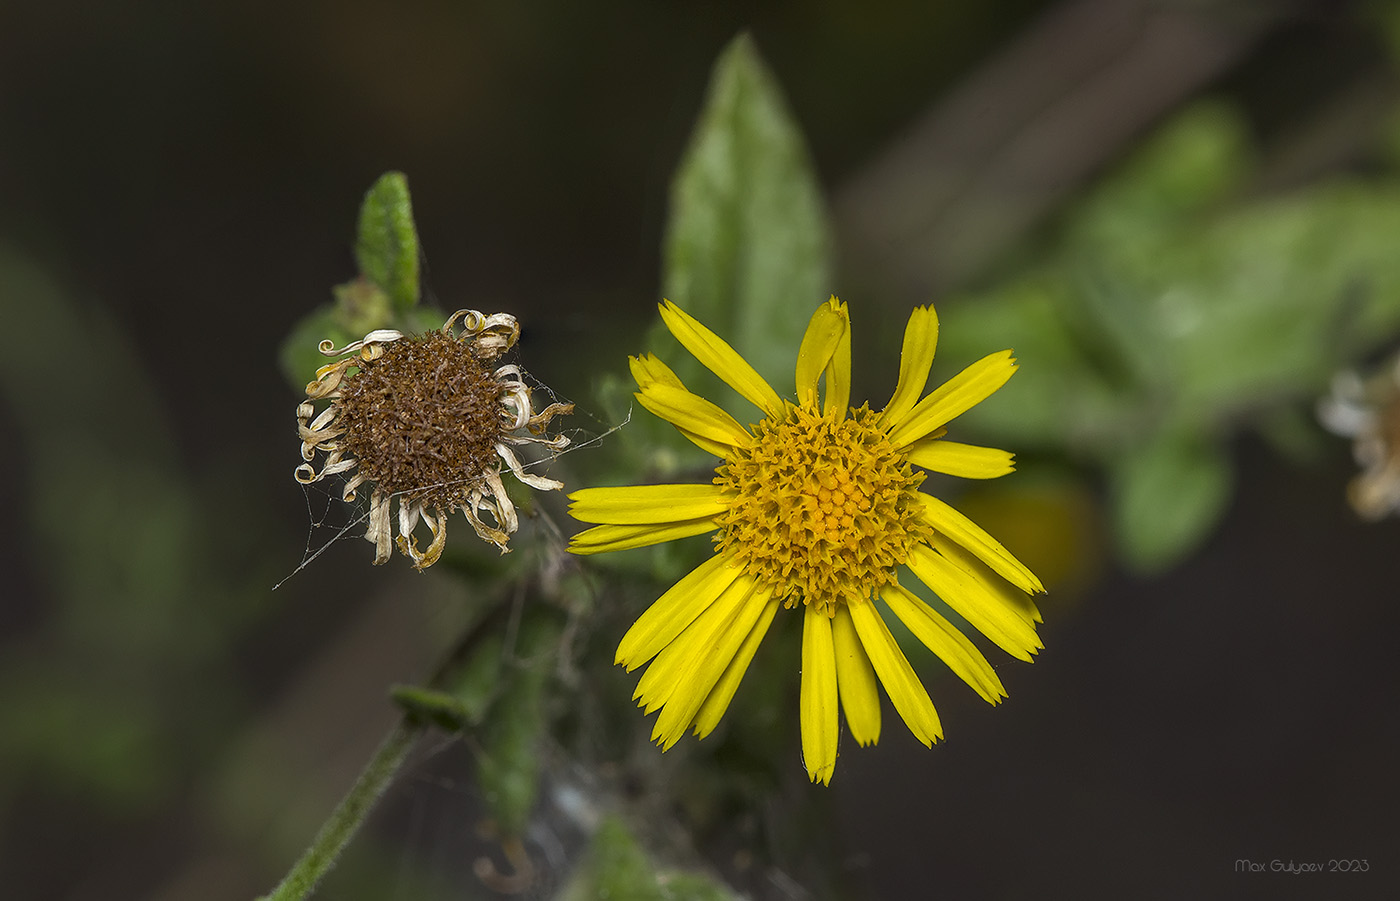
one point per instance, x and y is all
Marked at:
(178, 187)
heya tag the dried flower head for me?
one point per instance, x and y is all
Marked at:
(1368, 411)
(427, 420)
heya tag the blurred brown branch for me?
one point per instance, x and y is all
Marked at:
(988, 161)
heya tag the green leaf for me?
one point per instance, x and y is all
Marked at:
(1167, 497)
(509, 766)
(425, 705)
(747, 252)
(747, 248)
(387, 246)
(1070, 391)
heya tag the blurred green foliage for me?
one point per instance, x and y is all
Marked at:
(618, 867)
(127, 676)
(512, 737)
(1174, 309)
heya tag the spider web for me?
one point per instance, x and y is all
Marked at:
(433, 839)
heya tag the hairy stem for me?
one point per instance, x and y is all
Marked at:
(349, 815)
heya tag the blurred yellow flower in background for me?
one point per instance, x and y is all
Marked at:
(817, 504)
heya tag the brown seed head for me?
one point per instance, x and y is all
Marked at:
(423, 418)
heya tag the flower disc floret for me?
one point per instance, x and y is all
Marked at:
(823, 509)
(424, 418)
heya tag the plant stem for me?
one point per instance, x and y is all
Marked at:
(349, 815)
(320, 857)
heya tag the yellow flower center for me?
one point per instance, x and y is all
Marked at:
(823, 510)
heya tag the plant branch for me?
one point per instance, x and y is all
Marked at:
(350, 814)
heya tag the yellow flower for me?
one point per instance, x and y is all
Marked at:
(816, 504)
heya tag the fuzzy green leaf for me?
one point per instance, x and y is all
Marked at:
(387, 246)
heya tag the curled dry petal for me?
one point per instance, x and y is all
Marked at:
(378, 336)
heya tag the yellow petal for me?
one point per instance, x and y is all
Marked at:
(826, 347)
(920, 341)
(601, 539)
(1014, 598)
(717, 448)
(669, 614)
(692, 413)
(673, 667)
(721, 359)
(717, 702)
(944, 639)
(966, 461)
(710, 657)
(974, 538)
(636, 504)
(818, 704)
(838, 371)
(648, 370)
(898, 677)
(954, 397)
(855, 678)
(978, 600)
